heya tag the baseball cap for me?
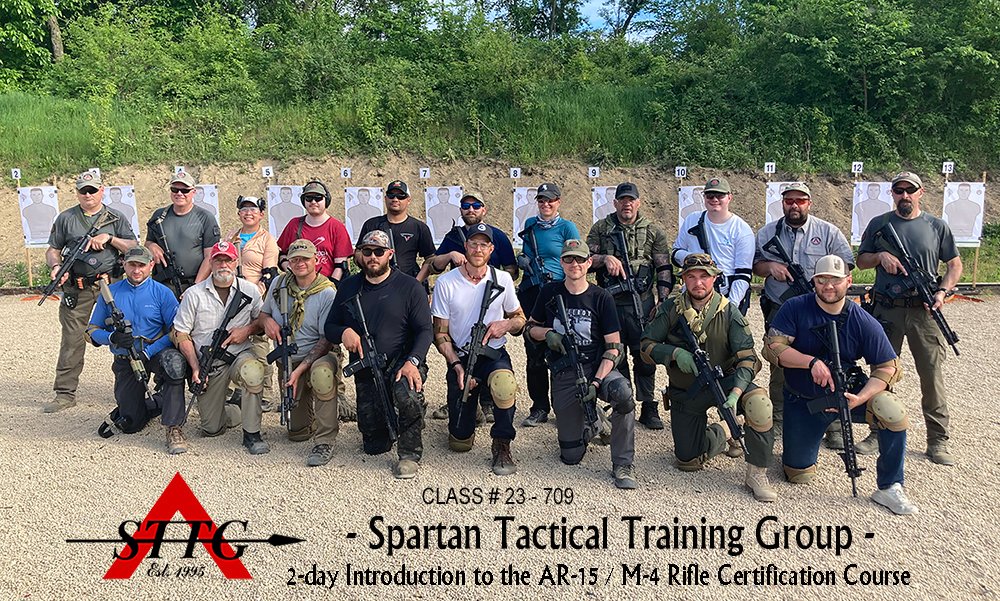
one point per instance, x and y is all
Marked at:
(550, 191)
(138, 254)
(182, 177)
(717, 184)
(260, 203)
(313, 188)
(831, 265)
(399, 185)
(88, 179)
(474, 195)
(797, 187)
(224, 248)
(626, 189)
(301, 248)
(575, 248)
(480, 229)
(907, 176)
(700, 261)
(376, 238)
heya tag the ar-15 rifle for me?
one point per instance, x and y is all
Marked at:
(106, 219)
(284, 351)
(118, 321)
(921, 281)
(536, 265)
(838, 401)
(214, 351)
(476, 346)
(627, 284)
(173, 271)
(591, 427)
(710, 376)
(800, 284)
(377, 363)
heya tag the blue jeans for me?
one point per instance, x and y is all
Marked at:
(803, 434)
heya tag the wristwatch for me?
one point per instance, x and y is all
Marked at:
(414, 360)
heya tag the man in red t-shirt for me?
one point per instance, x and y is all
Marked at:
(333, 244)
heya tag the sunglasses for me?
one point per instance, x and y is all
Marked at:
(378, 252)
(249, 209)
(396, 196)
(901, 191)
(796, 201)
(87, 191)
(181, 190)
(472, 205)
(714, 195)
(575, 259)
(543, 201)
(312, 199)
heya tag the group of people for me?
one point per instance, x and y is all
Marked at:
(216, 312)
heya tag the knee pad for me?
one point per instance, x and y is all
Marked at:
(503, 388)
(692, 465)
(886, 412)
(174, 365)
(460, 445)
(323, 381)
(797, 476)
(571, 452)
(619, 395)
(251, 370)
(758, 410)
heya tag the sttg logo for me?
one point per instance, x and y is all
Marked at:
(147, 539)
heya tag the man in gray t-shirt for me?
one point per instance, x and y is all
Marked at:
(929, 241)
(180, 236)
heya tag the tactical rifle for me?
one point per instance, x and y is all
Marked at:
(628, 283)
(922, 282)
(710, 376)
(377, 363)
(106, 219)
(536, 265)
(570, 343)
(838, 401)
(120, 324)
(800, 284)
(173, 271)
(284, 351)
(476, 346)
(214, 351)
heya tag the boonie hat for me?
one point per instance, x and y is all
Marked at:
(831, 265)
(575, 248)
(88, 179)
(376, 238)
(907, 176)
(182, 177)
(138, 254)
(700, 261)
(717, 184)
(224, 248)
(301, 248)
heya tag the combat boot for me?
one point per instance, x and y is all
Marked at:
(939, 454)
(868, 446)
(176, 444)
(58, 405)
(441, 412)
(650, 416)
(756, 481)
(503, 463)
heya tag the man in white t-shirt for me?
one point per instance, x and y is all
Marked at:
(724, 236)
(478, 297)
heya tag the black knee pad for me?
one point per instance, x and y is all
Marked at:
(571, 452)
(174, 365)
(619, 394)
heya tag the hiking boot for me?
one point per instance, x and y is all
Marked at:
(835, 440)
(321, 454)
(939, 454)
(503, 463)
(176, 444)
(58, 405)
(894, 499)
(650, 416)
(441, 412)
(868, 446)
(535, 417)
(734, 450)
(254, 443)
(756, 481)
(623, 477)
(460, 445)
(405, 469)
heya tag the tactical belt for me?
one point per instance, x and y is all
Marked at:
(84, 282)
(910, 302)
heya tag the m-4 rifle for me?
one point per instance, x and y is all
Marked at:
(375, 361)
(477, 346)
(283, 352)
(120, 324)
(106, 219)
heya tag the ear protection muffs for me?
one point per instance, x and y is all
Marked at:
(326, 191)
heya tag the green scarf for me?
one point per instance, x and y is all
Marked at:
(297, 312)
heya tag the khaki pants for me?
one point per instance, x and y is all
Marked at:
(216, 414)
(73, 324)
(312, 416)
(928, 348)
(261, 347)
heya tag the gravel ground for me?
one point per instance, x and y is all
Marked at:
(63, 481)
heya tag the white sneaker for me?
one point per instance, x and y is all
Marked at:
(894, 499)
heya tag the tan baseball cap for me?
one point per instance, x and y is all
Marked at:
(575, 248)
(831, 265)
(301, 248)
(797, 187)
(908, 176)
(88, 179)
(182, 177)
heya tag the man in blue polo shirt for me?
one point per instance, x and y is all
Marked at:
(797, 342)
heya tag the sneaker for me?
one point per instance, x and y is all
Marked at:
(650, 416)
(535, 418)
(756, 481)
(894, 499)
(441, 412)
(939, 454)
(58, 405)
(835, 440)
(176, 444)
(868, 446)
(254, 443)
(321, 455)
(503, 463)
(623, 477)
(405, 469)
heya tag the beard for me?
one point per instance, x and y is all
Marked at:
(796, 218)
(374, 270)
(223, 277)
(700, 295)
(831, 298)
(905, 208)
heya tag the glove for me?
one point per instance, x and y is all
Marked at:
(731, 400)
(685, 361)
(122, 339)
(554, 341)
(523, 262)
(591, 395)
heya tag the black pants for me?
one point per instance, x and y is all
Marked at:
(134, 408)
(645, 374)
(536, 372)
(406, 414)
